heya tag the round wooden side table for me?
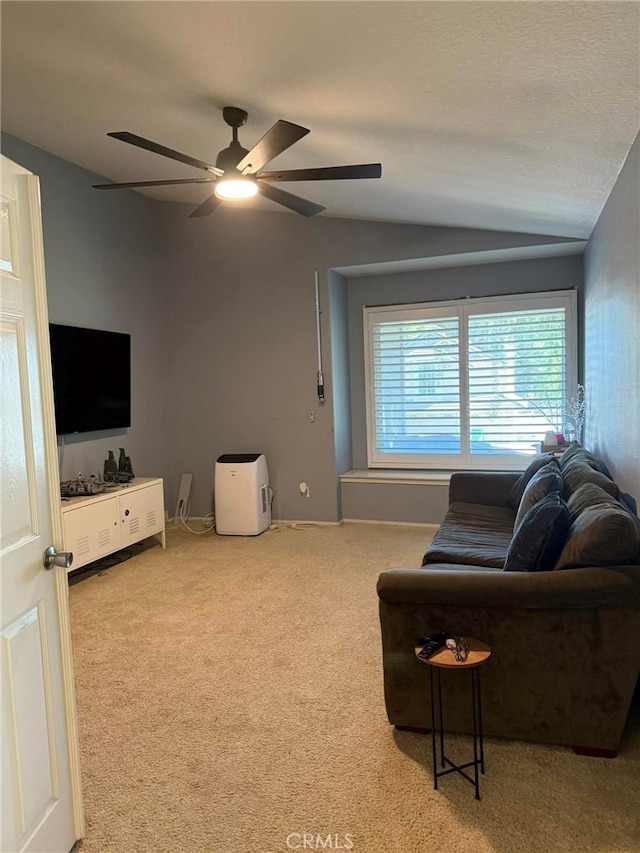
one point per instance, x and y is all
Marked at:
(444, 658)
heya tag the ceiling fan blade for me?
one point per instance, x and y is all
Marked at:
(129, 184)
(293, 202)
(141, 142)
(206, 207)
(276, 140)
(326, 173)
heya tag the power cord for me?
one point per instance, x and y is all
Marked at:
(294, 525)
(208, 522)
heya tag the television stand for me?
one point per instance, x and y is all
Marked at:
(97, 525)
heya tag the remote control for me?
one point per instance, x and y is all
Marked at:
(431, 643)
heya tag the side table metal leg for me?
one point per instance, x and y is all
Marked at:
(433, 730)
(480, 722)
(441, 720)
(475, 732)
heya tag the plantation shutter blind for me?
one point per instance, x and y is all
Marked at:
(473, 384)
(417, 386)
(516, 363)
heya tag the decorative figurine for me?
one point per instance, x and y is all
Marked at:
(110, 474)
(120, 471)
(125, 470)
(80, 487)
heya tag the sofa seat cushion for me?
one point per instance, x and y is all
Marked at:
(540, 536)
(473, 534)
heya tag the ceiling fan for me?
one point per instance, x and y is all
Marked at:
(237, 171)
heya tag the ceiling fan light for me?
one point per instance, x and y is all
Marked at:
(236, 188)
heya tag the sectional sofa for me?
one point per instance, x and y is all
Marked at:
(545, 568)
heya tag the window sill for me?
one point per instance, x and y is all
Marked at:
(396, 476)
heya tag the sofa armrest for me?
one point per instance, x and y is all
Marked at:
(564, 652)
(481, 487)
(468, 586)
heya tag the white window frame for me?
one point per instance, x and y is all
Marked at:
(556, 299)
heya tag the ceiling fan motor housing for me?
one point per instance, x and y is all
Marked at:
(229, 157)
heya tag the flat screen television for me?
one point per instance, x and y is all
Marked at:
(91, 379)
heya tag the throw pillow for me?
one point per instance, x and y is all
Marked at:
(540, 537)
(547, 480)
(604, 535)
(577, 473)
(586, 495)
(517, 490)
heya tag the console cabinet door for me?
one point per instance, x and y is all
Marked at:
(92, 531)
(141, 514)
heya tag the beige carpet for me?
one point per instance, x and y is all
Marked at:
(230, 701)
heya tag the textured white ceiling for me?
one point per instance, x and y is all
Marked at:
(499, 115)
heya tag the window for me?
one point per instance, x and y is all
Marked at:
(473, 383)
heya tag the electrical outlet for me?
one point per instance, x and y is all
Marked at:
(304, 489)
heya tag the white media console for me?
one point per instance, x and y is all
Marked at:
(97, 525)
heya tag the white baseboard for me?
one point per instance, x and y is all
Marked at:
(425, 524)
(286, 521)
(278, 522)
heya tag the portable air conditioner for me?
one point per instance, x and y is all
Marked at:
(242, 494)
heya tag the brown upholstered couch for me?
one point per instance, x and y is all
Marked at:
(565, 643)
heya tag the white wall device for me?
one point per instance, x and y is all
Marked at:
(182, 504)
(242, 494)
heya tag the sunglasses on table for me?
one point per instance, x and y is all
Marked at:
(459, 646)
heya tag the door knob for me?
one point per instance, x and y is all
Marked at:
(52, 558)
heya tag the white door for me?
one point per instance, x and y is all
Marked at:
(41, 798)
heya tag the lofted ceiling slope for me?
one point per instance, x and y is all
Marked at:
(496, 115)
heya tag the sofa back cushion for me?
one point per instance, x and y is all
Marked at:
(586, 495)
(629, 502)
(517, 490)
(540, 537)
(577, 473)
(604, 534)
(544, 482)
(575, 452)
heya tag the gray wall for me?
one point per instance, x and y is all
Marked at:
(341, 398)
(242, 339)
(104, 271)
(612, 329)
(222, 316)
(419, 503)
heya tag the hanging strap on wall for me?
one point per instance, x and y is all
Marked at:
(320, 377)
